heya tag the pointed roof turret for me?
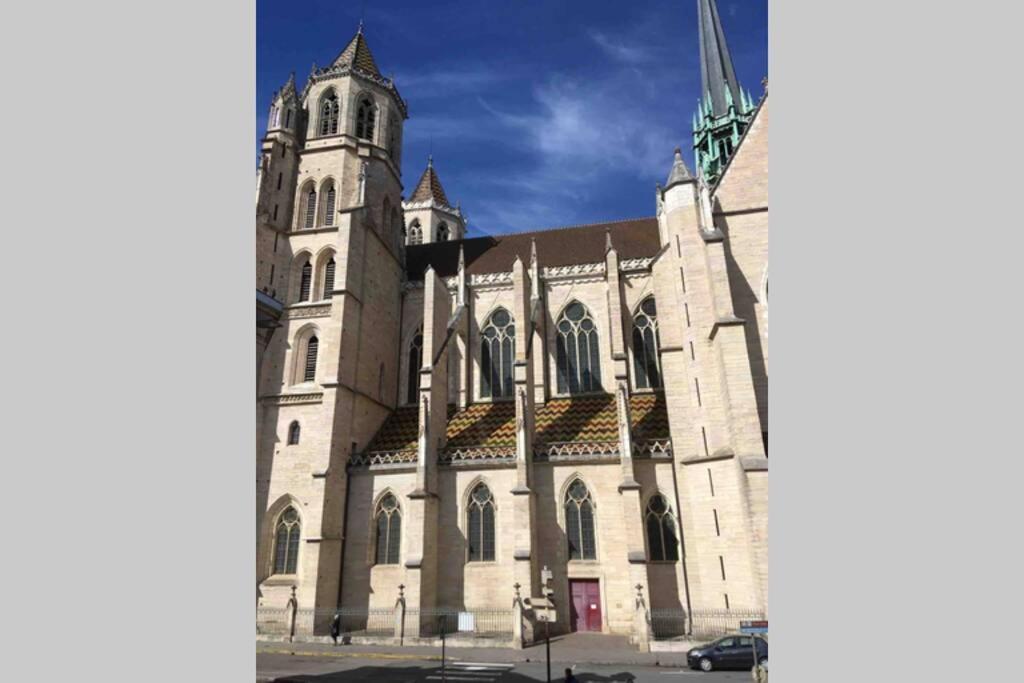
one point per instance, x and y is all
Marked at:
(429, 186)
(718, 79)
(679, 174)
(357, 54)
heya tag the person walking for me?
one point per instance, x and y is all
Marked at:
(336, 628)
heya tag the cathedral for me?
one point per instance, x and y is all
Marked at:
(453, 424)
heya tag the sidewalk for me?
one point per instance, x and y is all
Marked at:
(574, 648)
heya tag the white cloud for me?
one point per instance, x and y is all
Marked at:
(619, 51)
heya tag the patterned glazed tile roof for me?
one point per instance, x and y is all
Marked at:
(483, 424)
(586, 418)
(357, 53)
(650, 417)
(399, 431)
(429, 187)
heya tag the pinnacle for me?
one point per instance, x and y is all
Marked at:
(679, 172)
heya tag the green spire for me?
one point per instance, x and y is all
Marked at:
(725, 108)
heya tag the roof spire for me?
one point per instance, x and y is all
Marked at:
(716, 70)
(429, 186)
(679, 172)
(357, 54)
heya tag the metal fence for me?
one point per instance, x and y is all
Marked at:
(380, 622)
(699, 624)
(456, 623)
(272, 621)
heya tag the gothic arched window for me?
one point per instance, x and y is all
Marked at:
(329, 278)
(329, 114)
(662, 539)
(309, 372)
(389, 530)
(577, 352)
(305, 281)
(286, 544)
(415, 361)
(415, 232)
(365, 116)
(480, 525)
(329, 207)
(579, 522)
(646, 363)
(293, 433)
(497, 354)
(310, 208)
(443, 235)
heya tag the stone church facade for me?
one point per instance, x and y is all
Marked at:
(439, 419)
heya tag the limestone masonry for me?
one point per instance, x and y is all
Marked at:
(441, 418)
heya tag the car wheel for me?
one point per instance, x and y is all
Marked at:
(705, 664)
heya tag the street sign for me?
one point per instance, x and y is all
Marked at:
(754, 626)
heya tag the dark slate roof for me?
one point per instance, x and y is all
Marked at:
(357, 53)
(429, 187)
(637, 238)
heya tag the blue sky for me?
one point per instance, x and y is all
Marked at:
(539, 113)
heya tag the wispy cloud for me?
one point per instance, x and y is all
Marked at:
(446, 81)
(621, 51)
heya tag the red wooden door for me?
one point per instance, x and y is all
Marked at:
(586, 605)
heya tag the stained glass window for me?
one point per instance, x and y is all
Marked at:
(579, 522)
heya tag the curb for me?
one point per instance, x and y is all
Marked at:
(437, 658)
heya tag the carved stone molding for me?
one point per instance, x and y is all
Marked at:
(653, 448)
(579, 270)
(309, 312)
(293, 399)
(477, 455)
(375, 459)
(577, 451)
(634, 264)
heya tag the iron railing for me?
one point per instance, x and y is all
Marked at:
(456, 623)
(273, 621)
(699, 624)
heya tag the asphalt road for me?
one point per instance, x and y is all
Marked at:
(314, 669)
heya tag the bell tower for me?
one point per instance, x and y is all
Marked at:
(724, 110)
(329, 218)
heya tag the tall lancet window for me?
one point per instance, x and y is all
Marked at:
(286, 542)
(329, 279)
(577, 353)
(389, 530)
(365, 119)
(329, 114)
(480, 525)
(497, 355)
(646, 362)
(579, 522)
(305, 281)
(443, 234)
(309, 372)
(415, 362)
(662, 538)
(329, 208)
(310, 208)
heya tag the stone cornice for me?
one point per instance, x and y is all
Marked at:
(331, 73)
(293, 399)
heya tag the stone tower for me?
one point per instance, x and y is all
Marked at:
(429, 217)
(329, 249)
(725, 109)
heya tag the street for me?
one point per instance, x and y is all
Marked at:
(375, 669)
